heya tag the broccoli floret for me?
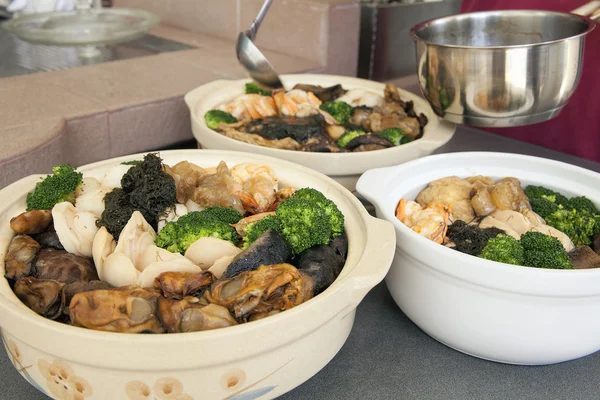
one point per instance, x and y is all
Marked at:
(348, 136)
(303, 223)
(55, 188)
(543, 207)
(180, 234)
(578, 226)
(394, 135)
(540, 192)
(505, 249)
(253, 88)
(256, 229)
(214, 117)
(543, 251)
(226, 214)
(339, 110)
(167, 237)
(582, 204)
(336, 218)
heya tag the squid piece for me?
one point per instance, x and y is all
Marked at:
(177, 285)
(271, 287)
(192, 314)
(41, 295)
(19, 259)
(31, 222)
(128, 309)
(75, 229)
(64, 267)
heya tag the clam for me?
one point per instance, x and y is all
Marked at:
(22, 250)
(206, 250)
(192, 314)
(40, 295)
(31, 222)
(177, 285)
(127, 310)
(270, 287)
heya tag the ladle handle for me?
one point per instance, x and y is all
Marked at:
(251, 32)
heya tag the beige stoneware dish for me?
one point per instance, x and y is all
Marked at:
(261, 359)
(343, 167)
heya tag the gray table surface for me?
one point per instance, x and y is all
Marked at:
(388, 357)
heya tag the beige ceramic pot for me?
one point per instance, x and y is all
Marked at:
(261, 359)
(343, 167)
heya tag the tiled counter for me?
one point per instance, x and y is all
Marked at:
(90, 113)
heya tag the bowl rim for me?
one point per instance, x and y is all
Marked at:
(414, 31)
(446, 128)
(444, 252)
(34, 320)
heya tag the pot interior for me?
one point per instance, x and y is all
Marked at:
(502, 28)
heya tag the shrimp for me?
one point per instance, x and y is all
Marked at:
(250, 106)
(243, 223)
(431, 222)
(297, 103)
(256, 186)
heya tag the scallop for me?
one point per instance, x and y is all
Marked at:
(220, 266)
(172, 215)
(206, 250)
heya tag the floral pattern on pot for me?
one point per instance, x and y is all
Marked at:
(163, 389)
(62, 382)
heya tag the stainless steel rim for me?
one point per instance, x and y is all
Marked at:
(414, 32)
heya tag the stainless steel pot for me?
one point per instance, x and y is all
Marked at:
(500, 68)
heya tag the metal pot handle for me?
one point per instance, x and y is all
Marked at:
(591, 10)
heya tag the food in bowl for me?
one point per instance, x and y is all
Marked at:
(501, 221)
(313, 118)
(157, 248)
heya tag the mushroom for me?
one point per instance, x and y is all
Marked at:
(363, 140)
(75, 229)
(583, 257)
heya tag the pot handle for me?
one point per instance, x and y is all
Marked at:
(375, 262)
(591, 9)
(372, 184)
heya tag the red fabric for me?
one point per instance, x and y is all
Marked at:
(576, 130)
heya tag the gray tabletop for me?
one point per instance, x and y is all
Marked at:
(388, 357)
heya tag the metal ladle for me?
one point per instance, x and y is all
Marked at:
(251, 58)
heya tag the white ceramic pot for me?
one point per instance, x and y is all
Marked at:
(261, 359)
(343, 167)
(499, 312)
